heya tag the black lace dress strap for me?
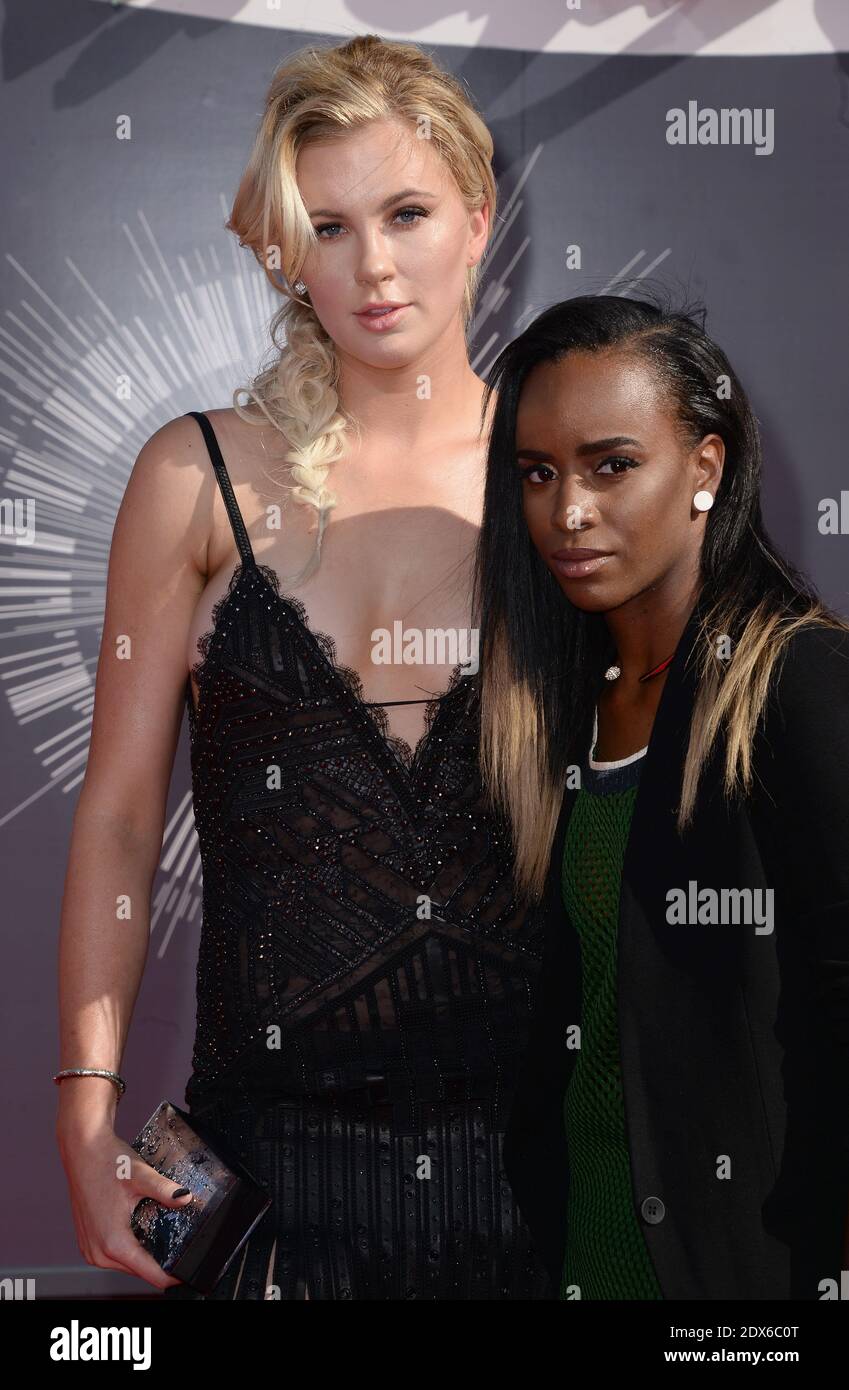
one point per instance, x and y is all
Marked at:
(240, 530)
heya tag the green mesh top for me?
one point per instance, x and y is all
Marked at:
(606, 1256)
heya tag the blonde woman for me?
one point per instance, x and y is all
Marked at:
(665, 713)
(365, 966)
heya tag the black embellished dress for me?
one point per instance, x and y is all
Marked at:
(365, 973)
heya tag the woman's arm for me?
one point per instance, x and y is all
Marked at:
(804, 770)
(156, 574)
(806, 775)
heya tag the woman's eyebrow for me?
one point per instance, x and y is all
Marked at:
(387, 202)
(595, 446)
(616, 441)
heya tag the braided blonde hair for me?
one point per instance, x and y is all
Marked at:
(318, 93)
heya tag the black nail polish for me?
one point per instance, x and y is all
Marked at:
(181, 1192)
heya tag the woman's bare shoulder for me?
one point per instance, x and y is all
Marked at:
(177, 453)
(175, 448)
(170, 485)
(240, 436)
(181, 437)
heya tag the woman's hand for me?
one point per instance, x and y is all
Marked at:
(102, 1202)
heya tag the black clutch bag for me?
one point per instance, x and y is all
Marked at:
(197, 1241)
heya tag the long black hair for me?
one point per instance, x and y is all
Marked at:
(543, 659)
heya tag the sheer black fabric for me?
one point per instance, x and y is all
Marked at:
(365, 972)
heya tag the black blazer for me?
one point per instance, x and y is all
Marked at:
(732, 1041)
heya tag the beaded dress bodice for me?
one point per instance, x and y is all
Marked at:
(359, 914)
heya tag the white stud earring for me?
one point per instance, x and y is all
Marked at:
(703, 500)
(300, 287)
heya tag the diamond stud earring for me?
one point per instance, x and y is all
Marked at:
(300, 287)
(703, 500)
